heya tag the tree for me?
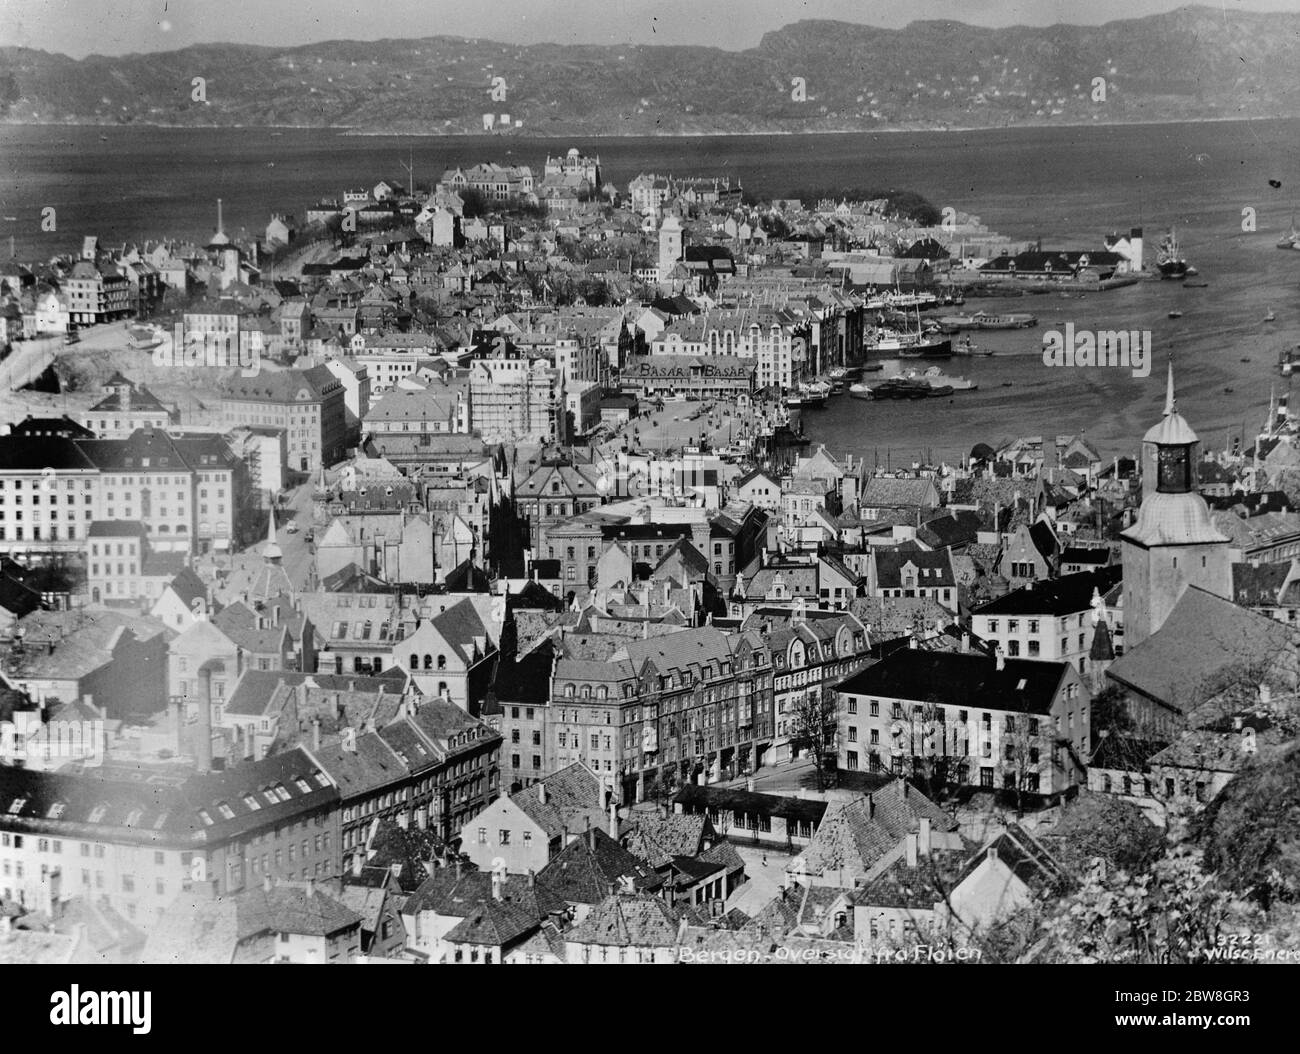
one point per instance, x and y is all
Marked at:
(1174, 913)
(1251, 830)
(812, 728)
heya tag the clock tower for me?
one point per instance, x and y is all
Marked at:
(1174, 543)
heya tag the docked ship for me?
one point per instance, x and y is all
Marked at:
(982, 320)
(1169, 258)
(813, 395)
(967, 348)
(911, 345)
(903, 388)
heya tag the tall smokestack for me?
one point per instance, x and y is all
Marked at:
(203, 749)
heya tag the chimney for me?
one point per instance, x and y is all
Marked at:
(358, 861)
(910, 851)
(965, 641)
(203, 749)
(999, 659)
(532, 878)
(311, 887)
(458, 868)
(266, 884)
(871, 808)
(315, 732)
(496, 884)
(591, 839)
(924, 838)
(613, 821)
(541, 793)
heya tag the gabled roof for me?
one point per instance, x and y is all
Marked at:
(629, 920)
(590, 868)
(574, 799)
(1203, 636)
(854, 835)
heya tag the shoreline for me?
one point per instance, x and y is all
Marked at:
(344, 131)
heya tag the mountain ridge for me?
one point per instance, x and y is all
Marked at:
(812, 75)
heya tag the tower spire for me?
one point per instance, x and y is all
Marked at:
(271, 554)
(1170, 402)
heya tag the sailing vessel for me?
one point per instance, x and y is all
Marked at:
(1169, 258)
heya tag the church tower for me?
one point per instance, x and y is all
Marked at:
(670, 245)
(1174, 544)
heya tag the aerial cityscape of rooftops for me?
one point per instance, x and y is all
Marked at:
(458, 568)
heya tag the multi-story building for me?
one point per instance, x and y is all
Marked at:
(574, 164)
(664, 711)
(48, 493)
(432, 767)
(513, 399)
(1054, 621)
(307, 404)
(812, 652)
(138, 840)
(98, 293)
(185, 489)
(124, 408)
(555, 492)
(967, 718)
(494, 182)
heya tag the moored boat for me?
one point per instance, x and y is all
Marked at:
(860, 391)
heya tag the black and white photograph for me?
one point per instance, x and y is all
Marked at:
(727, 482)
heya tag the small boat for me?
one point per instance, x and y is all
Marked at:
(1196, 285)
(1175, 314)
(1006, 384)
(940, 390)
(966, 347)
(1244, 359)
(1270, 317)
(792, 402)
(870, 367)
(1228, 390)
(938, 379)
(859, 391)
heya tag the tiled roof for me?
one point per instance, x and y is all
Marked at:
(1203, 636)
(590, 868)
(628, 920)
(855, 834)
(574, 800)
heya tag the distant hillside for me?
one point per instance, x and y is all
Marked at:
(1197, 62)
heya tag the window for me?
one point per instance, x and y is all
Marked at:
(853, 706)
(482, 836)
(503, 837)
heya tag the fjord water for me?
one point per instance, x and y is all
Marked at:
(1068, 186)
